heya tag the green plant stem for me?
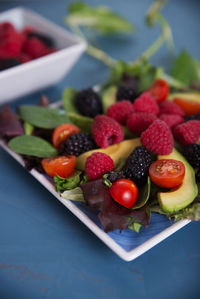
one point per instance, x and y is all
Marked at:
(100, 55)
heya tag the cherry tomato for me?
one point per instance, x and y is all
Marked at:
(62, 132)
(189, 107)
(167, 173)
(60, 165)
(125, 192)
(159, 90)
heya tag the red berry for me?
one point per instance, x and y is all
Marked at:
(24, 57)
(120, 111)
(11, 45)
(172, 120)
(168, 107)
(146, 103)
(106, 131)
(97, 164)
(158, 138)
(188, 132)
(35, 48)
(140, 121)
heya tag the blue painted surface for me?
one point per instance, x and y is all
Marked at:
(46, 252)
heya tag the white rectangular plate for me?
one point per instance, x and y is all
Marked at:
(126, 244)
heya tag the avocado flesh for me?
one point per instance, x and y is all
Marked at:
(115, 151)
(188, 96)
(180, 197)
(109, 97)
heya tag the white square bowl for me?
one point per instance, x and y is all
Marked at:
(45, 71)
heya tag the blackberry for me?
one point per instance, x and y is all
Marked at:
(192, 154)
(49, 42)
(125, 92)
(77, 144)
(112, 176)
(8, 63)
(88, 103)
(137, 165)
(192, 117)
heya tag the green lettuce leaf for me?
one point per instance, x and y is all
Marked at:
(62, 184)
(74, 195)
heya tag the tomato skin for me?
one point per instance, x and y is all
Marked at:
(159, 90)
(62, 132)
(188, 107)
(125, 192)
(60, 165)
(167, 173)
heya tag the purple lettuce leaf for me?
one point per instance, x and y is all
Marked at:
(10, 125)
(111, 214)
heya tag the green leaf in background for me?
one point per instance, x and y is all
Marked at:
(28, 128)
(68, 100)
(83, 122)
(99, 18)
(186, 69)
(32, 146)
(144, 194)
(43, 117)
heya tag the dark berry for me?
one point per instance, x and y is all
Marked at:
(31, 162)
(192, 117)
(77, 144)
(137, 165)
(8, 63)
(49, 42)
(88, 103)
(192, 154)
(125, 92)
(112, 176)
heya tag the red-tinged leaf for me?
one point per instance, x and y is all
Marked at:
(10, 125)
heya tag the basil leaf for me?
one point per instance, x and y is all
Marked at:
(43, 117)
(185, 68)
(99, 18)
(32, 146)
(144, 194)
(68, 100)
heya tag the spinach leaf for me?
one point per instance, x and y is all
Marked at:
(32, 146)
(68, 100)
(99, 18)
(185, 68)
(43, 117)
(144, 194)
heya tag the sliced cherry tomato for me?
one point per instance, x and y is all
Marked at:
(60, 165)
(189, 107)
(125, 192)
(159, 90)
(62, 132)
(167, 173)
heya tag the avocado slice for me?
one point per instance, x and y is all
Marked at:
(115, 151)
(188, 96)
(109, 97)
(180, 197)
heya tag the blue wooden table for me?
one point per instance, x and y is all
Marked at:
(45, 252)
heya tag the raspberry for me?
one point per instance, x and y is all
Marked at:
(77, 144)
(24, 57)
(6, 28)
(140, 121)
(158, 138)
(88, 102)
(97, 164)
(172, 120)
(188, 132)
(106, 131)
(146, 103)
(126, 92)
(120, 111)
(42, 37)
(11, 45)
(137, 165)
(168, 107)
(35, 48)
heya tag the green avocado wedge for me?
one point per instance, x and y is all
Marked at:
(180, 197)
(187, 96)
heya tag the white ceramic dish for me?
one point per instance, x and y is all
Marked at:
(127, 244)
(44, 71)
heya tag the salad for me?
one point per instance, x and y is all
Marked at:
(124, 150)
